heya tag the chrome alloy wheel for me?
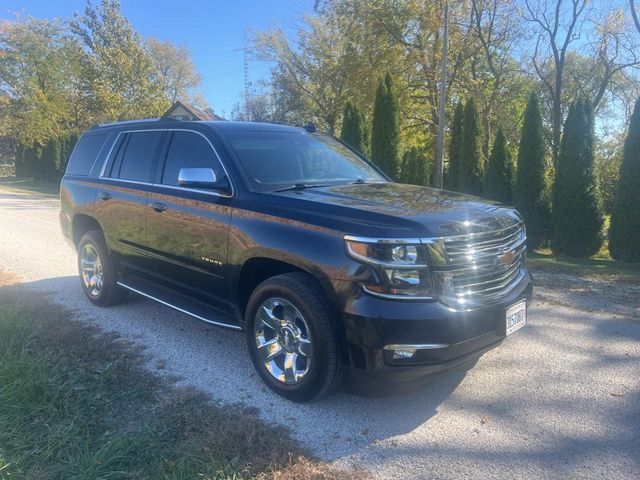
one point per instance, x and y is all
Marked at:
(283, 340)
(91, 270)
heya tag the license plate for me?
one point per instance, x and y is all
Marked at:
(516, 317)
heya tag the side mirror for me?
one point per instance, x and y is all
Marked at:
(197, 178)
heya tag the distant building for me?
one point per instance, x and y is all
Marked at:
(183, 111)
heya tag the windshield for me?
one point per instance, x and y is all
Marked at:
(276, 160)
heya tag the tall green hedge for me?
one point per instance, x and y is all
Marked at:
(385, 130)
(471, 151)
(46, 162)
(455, 144)
(577, 214)
(498, 178)
(354, 129)
(624, 232)
(531, 195)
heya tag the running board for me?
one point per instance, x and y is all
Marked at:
(182, 304)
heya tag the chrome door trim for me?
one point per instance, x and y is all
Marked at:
(208, 192)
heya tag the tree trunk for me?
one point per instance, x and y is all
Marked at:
(557, 114)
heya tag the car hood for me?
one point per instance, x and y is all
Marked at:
(387, 209)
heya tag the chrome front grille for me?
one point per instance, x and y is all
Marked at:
(479, 267)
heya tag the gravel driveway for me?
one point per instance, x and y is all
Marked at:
(558, 399)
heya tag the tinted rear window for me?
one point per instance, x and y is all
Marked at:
(138, 156)
(85, 153)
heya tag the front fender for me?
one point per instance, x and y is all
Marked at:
(316, 250)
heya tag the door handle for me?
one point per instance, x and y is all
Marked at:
(158, 207)
(104, 195)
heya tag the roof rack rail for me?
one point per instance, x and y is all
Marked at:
(125, 122)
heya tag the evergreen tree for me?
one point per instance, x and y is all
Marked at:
(498, 178)
(471, 151)
(530, 194)
(414, 167)
(67, 143)
(624, 233)
(385, 131)
(577, 215)
(455, 144)
(47, 169)
(354, 131)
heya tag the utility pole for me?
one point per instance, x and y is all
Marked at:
(442, 97)
(246, 78)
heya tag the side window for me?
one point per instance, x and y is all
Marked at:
(85, 153)
(137, 159)
(189, 150)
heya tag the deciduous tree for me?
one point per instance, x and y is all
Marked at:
(118, 78)
(174, 70)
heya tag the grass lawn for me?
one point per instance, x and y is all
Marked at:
(599, 267)
(29, 185)
(78, 404)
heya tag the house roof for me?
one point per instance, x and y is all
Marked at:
(195, 111)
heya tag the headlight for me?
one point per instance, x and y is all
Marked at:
(401, 266)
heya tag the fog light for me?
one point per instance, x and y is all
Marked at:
(404, 353)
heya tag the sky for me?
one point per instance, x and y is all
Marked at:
(214, 30)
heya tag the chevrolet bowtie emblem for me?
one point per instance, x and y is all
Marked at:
(506, 258)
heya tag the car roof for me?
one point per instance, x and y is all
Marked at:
(220, 125)
(228, 127)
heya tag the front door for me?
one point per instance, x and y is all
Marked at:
(187, 228)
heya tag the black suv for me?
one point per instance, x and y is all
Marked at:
(332, 270)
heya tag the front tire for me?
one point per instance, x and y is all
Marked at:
(97, 270)
(291, 339)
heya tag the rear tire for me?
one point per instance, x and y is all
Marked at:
(97, 270)
(291, 337)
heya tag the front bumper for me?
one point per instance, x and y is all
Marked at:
(457, 337)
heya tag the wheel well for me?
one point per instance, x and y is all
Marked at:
(257, 270)
(81, 225)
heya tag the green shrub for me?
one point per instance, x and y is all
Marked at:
(498, 178)
(471, 151)
(455, 144)
(385, 130)
(577, 214)
(354, 130)
(415, 169)
(624, 232)
(531, 194)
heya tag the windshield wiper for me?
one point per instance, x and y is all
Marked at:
(300, 186)
(358, 181)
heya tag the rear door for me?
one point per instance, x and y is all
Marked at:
(122, 195)
(187, 228)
